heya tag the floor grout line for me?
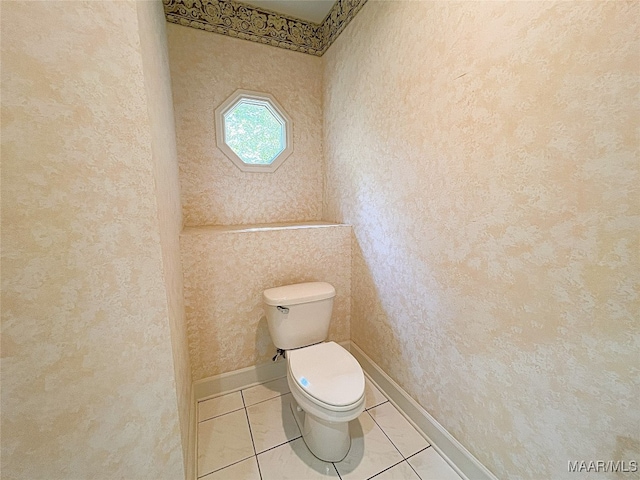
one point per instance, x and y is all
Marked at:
(410, 456)
(279, 445)
(336, 469)
(229, 392)
(259, 469)
(226, 466)
(388, 468)
(385, 434)
(266, 400)
(217, 395)
(419, 451)
(253, 443)
(219, 415)
(411, 466)
(256, 454)
(377, 405)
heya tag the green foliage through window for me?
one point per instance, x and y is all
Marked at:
(254, 132)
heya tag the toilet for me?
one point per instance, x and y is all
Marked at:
(325, 380)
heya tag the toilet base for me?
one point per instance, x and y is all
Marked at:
(329, 441)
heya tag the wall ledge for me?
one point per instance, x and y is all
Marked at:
(258, 227)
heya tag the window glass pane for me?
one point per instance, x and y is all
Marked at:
(253, 132)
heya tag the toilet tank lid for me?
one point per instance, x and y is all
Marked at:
(298, 293)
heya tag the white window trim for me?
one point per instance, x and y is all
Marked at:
(227, 105)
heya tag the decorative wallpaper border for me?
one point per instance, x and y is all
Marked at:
(263, 26)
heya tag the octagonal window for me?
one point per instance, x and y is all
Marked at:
(253, 131)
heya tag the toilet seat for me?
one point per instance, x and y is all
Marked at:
(327, 375)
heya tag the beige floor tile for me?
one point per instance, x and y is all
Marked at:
(265, 391)
(371, 451)
(402, 471)
(294, 461)
(226, 441)
(373, 396)
(272, 422)
(398, 429)
(431, 466)
(219, 406)
(222, 441)
(244, 470)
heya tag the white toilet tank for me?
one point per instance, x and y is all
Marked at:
(299, 315)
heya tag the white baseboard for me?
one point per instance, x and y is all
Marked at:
(192, 453)
(243, 378)
(460, 459)
(219, 385)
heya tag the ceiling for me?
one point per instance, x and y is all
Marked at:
(310, 10)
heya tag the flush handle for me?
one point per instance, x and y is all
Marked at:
(284, 310)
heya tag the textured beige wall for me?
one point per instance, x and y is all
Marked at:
(225, 273)
(206, 69)
(487, 156)
(155, 63)
(88, 386)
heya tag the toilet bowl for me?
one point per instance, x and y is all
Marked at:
(327, 385)
(325, 380)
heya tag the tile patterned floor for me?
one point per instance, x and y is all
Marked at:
(252, 435)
